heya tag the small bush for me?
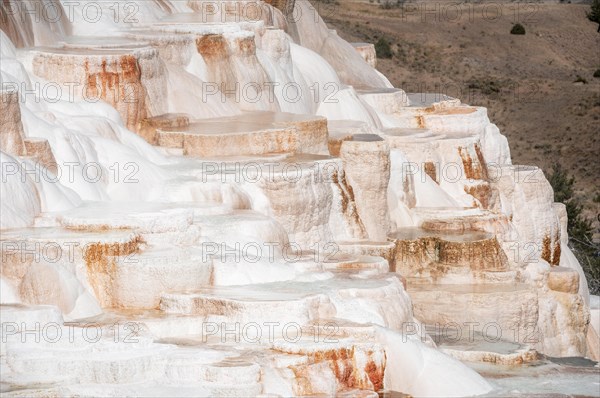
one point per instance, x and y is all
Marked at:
(389, 4)
(597, 74)
(594, 13)
(517, 29)
(485, 86)
(383, 48)
(579, 227)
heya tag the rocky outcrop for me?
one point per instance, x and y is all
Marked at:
(131, 79)
(11, 128)
(259, 244)
(40, 150)
(367, 51)
(367, 170)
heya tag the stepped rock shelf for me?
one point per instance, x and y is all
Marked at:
(221, 198)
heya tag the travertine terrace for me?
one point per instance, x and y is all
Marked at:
(224, 198)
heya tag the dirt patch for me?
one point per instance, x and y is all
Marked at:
(526, 82)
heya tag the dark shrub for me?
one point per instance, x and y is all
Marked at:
(579, 227)
(517, 29)
(383, 49)
(594, 14)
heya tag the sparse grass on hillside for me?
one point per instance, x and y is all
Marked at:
(579, 227)
(528, 83)
(383, 49)
(594, 13)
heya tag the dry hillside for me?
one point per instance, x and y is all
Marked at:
(532, 84)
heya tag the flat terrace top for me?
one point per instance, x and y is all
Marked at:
(459, 110)
(428, 99)
(408, 132)
(195, 23)
(378, 90)
(480, 288)
(344, 129)
(91, 51)
(131, 215)
(101, 42)
(414, 233)
(289, 290)
(451, 212)
(152, 34)
(366, 138)
(58, 234)
(247, 122)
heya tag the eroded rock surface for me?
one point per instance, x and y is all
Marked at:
(232, 202)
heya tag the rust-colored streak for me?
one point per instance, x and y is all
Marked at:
(348, 201)
(100, 263)
(130, 68)
(474, 169)
(556, 250)
(212, 46)
(482, 193)
(41, 151)
(119, 83)
(375, 374)
(467, 162)
(343, 372)
(342, 364)
(434, 256)
(482, 163)
(246, 46)
(431, 171)
(546, 249)
(353, 369)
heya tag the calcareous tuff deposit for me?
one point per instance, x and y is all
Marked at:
(225, 198)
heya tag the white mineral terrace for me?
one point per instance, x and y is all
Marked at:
(209, 198)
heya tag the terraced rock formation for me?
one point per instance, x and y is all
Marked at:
(216, 200)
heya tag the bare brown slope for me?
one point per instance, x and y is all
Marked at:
(527, 82)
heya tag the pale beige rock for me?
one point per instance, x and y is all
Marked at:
(367, 51)
(367, 167)
(300, 195)
(20, 199)
(11, 128)
(40, 150)
(357, 366)
(593, 335)
(158, 269)
(174, 48)
(385, 250)
(131, 79)
(335, 191)
(385, 100)
(425, 254)
(528, 200)
(148, 127)
(282, 5)
(593, 344)
(233, 67)
(563, 323)
(509, 311)
(255, 133)
(344, 221)
(563, 280)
